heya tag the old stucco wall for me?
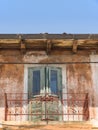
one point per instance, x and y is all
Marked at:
(11, 81)
(94, 68)
(79, 81)
(79, 76)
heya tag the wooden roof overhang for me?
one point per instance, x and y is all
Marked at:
(49, 42)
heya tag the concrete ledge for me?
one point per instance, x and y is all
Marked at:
(94, 123)
(10, 125)
(1, 125)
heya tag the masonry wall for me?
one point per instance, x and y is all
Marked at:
(80, 78)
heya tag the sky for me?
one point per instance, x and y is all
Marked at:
(48, 16)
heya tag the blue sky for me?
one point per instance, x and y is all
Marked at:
(51, 16)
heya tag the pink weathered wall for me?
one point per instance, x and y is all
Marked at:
(11, 81)
(79, 76)
(79, 80)
(94, 69)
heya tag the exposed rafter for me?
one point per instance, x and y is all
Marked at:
(22, 45)
(49, 46)
(75, 46)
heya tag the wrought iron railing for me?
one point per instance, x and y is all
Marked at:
(47, 107)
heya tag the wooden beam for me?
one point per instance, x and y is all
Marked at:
(22, 45)
(9, 41)
(75, 46)
(49, 46)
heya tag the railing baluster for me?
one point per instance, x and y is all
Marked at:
(6, 106)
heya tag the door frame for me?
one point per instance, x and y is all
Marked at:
(64, 80)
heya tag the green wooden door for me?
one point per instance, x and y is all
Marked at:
(55, 90)
(36, 87)
(42, 81)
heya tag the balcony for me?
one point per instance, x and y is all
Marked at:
(46, 107)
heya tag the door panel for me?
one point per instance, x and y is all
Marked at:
(55, 88)
(36, 78)
(35, 109)
(55, 80)
(36, 86)
(36, 82)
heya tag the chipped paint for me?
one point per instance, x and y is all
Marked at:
(81, 78)
(94, 67)
(11, 80)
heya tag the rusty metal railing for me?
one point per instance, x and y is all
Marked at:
(47, 107)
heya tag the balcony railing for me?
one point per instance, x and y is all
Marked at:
(47, 107)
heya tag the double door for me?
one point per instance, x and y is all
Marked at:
(45, 93)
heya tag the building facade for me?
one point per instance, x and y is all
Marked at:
(48, 77)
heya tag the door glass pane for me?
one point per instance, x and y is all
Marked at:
(53, 82)
(36, 82)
